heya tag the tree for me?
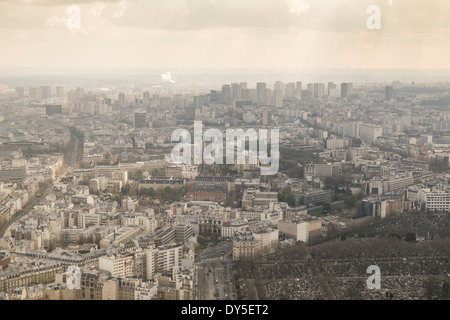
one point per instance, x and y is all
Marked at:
(118, 198)
(431, 287)
(138, 174)
(445, 294)
(328, 182)
(410, 237)
(126, 189)
(286, 196)
(167, 190)
(296, 172)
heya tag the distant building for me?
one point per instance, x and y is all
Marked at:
(19, 92)
(372, 208)
(312, 198)
(389, 92)
(119, 266)
(370, 133)
(140, 119)
(326, 170)
(300, 228)
(12, 174)
(60, 91)
(226, 95)
(331, 86)
(278, 98)
(319, 90)
(246, 245)
(35, 94)
(165, 235)
(346, 90)
(53, 109)
(231, 228)
(261, 95)
(183, 232)
(209, 227)
(46, 92)
(435, 201)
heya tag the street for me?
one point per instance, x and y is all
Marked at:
(214, 278)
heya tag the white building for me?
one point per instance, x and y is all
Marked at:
(438, 200)
(163, 259)
(146, 291)
(229, 229)
(334, 143)
(370, 133)
(300, 228)
(119, 266)
(266, 237)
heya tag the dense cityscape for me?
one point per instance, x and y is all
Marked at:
(88, 187)
(222, 157)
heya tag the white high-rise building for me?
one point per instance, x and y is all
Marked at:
(261, 94)
(370, 133)
(278, 98)
(291, 90)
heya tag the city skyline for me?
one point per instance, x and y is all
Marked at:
(224, 150)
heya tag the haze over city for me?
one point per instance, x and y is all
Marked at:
(240, 152)
(222, 34)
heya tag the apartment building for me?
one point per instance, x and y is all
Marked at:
(119, 266)
(435, 201)
(370, 133)
(300, 228)
(230, 228)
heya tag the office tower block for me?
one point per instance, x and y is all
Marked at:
(306, 95)
(19, 92)
(331, 86)
(290, 90)
(261, 94)
(268, 97)
(46, 92)
(346, 90)
(280, 86)
(60, 91)
(215, 96)
(253, 94)
(370, 133)
(80, 93)
(350, 89)
(35, 94)
(310, 88)
(122, 99)
(298, 88)
(226, 95)
(277, 98)
(245, 94)
(140, 119)
(389, 92)
(319, 89)
(235, 91)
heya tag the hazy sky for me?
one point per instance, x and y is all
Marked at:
(225, 34)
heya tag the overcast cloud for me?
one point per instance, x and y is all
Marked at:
(225, 34)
